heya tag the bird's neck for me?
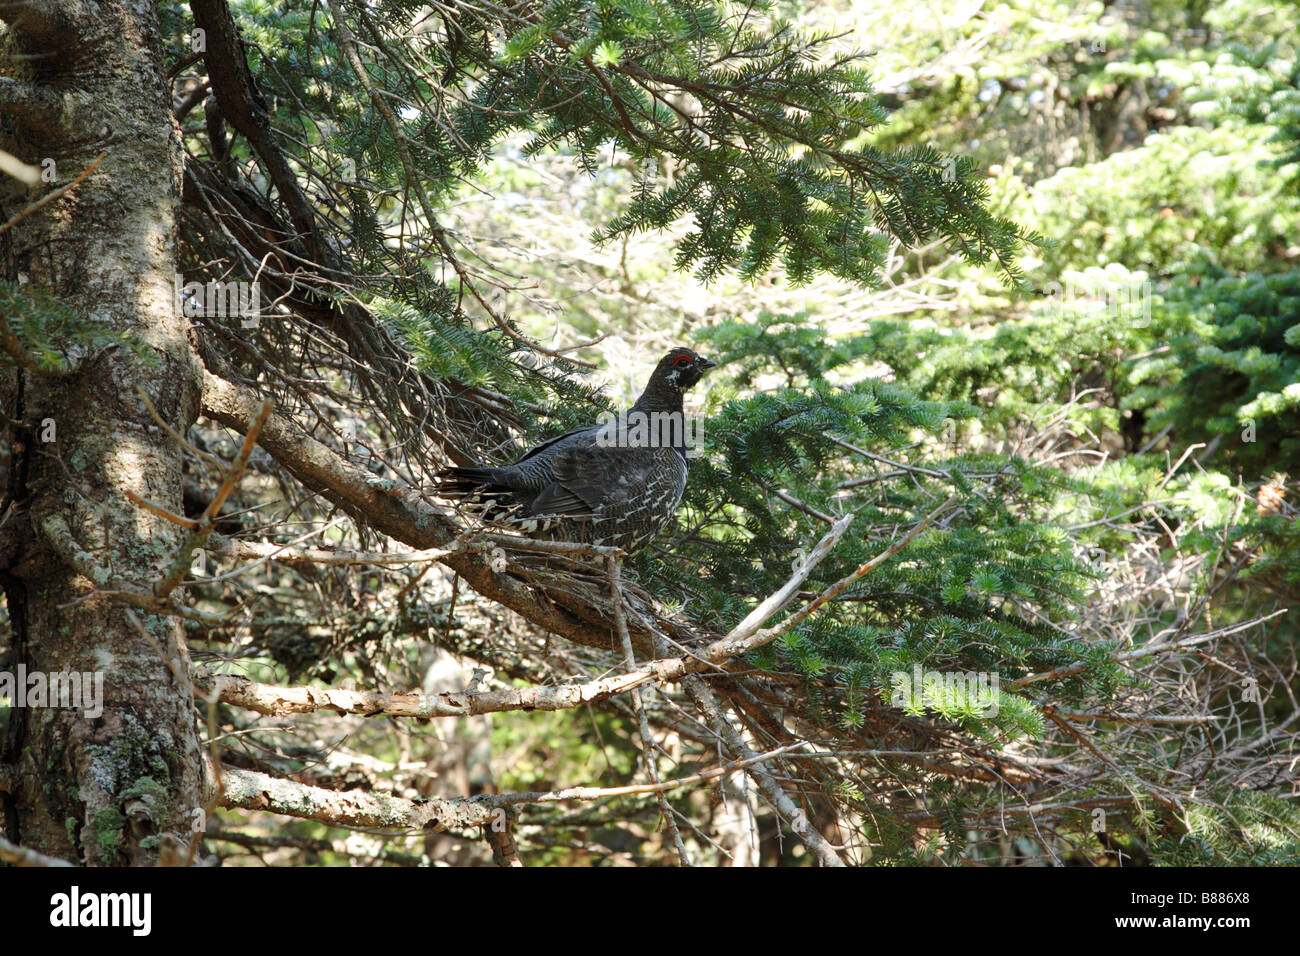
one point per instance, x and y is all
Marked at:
(659, 398)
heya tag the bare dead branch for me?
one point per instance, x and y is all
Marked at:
(23, 856)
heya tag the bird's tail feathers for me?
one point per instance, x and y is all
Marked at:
(464, 482)
(475, 491)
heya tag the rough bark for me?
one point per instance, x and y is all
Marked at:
(107, 789)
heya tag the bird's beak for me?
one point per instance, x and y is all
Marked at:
(704, 364)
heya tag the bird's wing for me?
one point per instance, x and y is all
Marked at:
(537, 450)
(588, 478)
(532, 474)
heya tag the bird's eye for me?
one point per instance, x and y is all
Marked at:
(682, 360)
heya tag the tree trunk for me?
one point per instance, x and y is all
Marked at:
(104, 788)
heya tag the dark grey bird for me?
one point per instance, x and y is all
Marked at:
(615, 484)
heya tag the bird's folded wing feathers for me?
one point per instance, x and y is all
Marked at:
(550, 443)
(586, 477)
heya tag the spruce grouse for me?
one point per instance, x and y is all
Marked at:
(614, 484)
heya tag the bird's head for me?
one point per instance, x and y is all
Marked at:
(681, 368)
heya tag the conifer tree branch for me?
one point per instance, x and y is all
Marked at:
(347, 45)
(312, 290)
(649, 749)
(396, 511)
(746, 636)
(245, 109)
(254, 790)
(776, 795)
